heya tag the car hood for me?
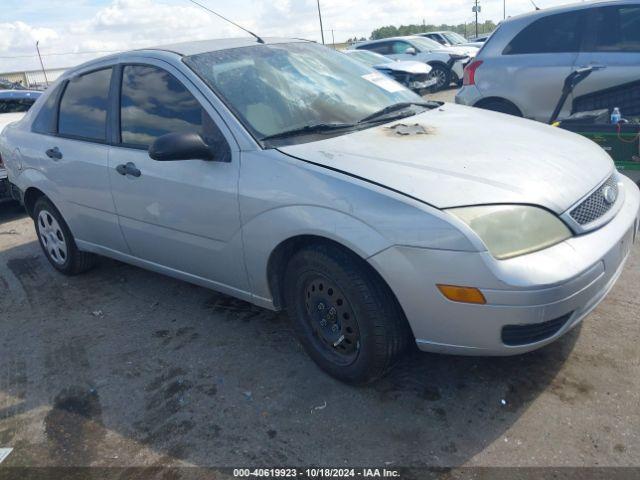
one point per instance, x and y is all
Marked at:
(456, 156)
(461, 50)
(414, 68)
(7, 118)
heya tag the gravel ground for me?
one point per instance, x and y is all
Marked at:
(123, 367)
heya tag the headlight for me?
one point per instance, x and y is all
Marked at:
(512, 230)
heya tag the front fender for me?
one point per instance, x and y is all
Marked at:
(261, 238)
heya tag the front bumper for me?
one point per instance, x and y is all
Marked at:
(563, 283)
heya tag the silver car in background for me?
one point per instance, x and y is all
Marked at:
(447, 62)
(13, 105)
(290, 176)
(522, 67)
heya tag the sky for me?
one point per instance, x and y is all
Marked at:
(65, 29)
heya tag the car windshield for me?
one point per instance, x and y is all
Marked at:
(274, 89)
(425, 44)
(370, 58)
(454, 38)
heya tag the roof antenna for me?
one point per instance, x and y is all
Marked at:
(534, 5)
(226, 19)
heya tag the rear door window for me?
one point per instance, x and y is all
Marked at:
(560, 33)
(616, 29)
(83, 107)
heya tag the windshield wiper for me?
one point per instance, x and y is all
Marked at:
(307, 129)
(396, 107)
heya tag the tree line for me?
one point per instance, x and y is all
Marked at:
(467, 30)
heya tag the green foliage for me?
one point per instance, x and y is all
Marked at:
(467, 30)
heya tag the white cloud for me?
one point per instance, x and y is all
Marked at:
(126, 24)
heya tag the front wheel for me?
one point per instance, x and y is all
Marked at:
(442, 75)
(344, 315)
(57, 242)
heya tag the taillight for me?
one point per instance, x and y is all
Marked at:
(470, 72)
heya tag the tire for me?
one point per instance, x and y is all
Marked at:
(344, 315)
(56, 240)
(500, 106)
(443, 74)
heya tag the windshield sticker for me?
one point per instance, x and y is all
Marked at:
(384, 82)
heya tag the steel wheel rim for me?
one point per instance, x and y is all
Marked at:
(333, 322)
(52, 237)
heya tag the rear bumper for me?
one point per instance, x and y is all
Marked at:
(560, 285)
(468, 95)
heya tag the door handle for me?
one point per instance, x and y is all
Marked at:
(128, 169)
(54, 153)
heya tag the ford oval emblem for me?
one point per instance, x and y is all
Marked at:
(610, 194)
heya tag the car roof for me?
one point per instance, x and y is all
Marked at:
(187, 48)
(19, 94)
(406, 37)
(567, 8)
(203, 46)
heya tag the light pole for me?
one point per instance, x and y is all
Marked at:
(476, 10)
(320, 16)
(42, 64)
(504, 9)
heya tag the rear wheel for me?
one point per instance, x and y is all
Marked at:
(501, 106)
(57, 242)
(345, 316)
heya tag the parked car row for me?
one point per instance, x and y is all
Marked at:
(291, 176)
(13, 105)
(447, 63)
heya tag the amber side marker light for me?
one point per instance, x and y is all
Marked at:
(462, 294)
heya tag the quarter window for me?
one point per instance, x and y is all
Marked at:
(617, 29)
(561, 33)
(83, 108)
(155, 103)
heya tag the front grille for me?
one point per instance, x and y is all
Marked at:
(514, 335)
(596, 205)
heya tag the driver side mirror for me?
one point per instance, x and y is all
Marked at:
(180, 146)
(410, 51)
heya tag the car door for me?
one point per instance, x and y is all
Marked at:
(535, 63)
(73, 156)
(612, 41)
(181, 216)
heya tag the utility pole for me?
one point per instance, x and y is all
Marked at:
(333, 39)
(476, 12)
(320, 16)
(504, 9)
(42, 64)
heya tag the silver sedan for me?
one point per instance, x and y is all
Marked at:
(293, 177)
